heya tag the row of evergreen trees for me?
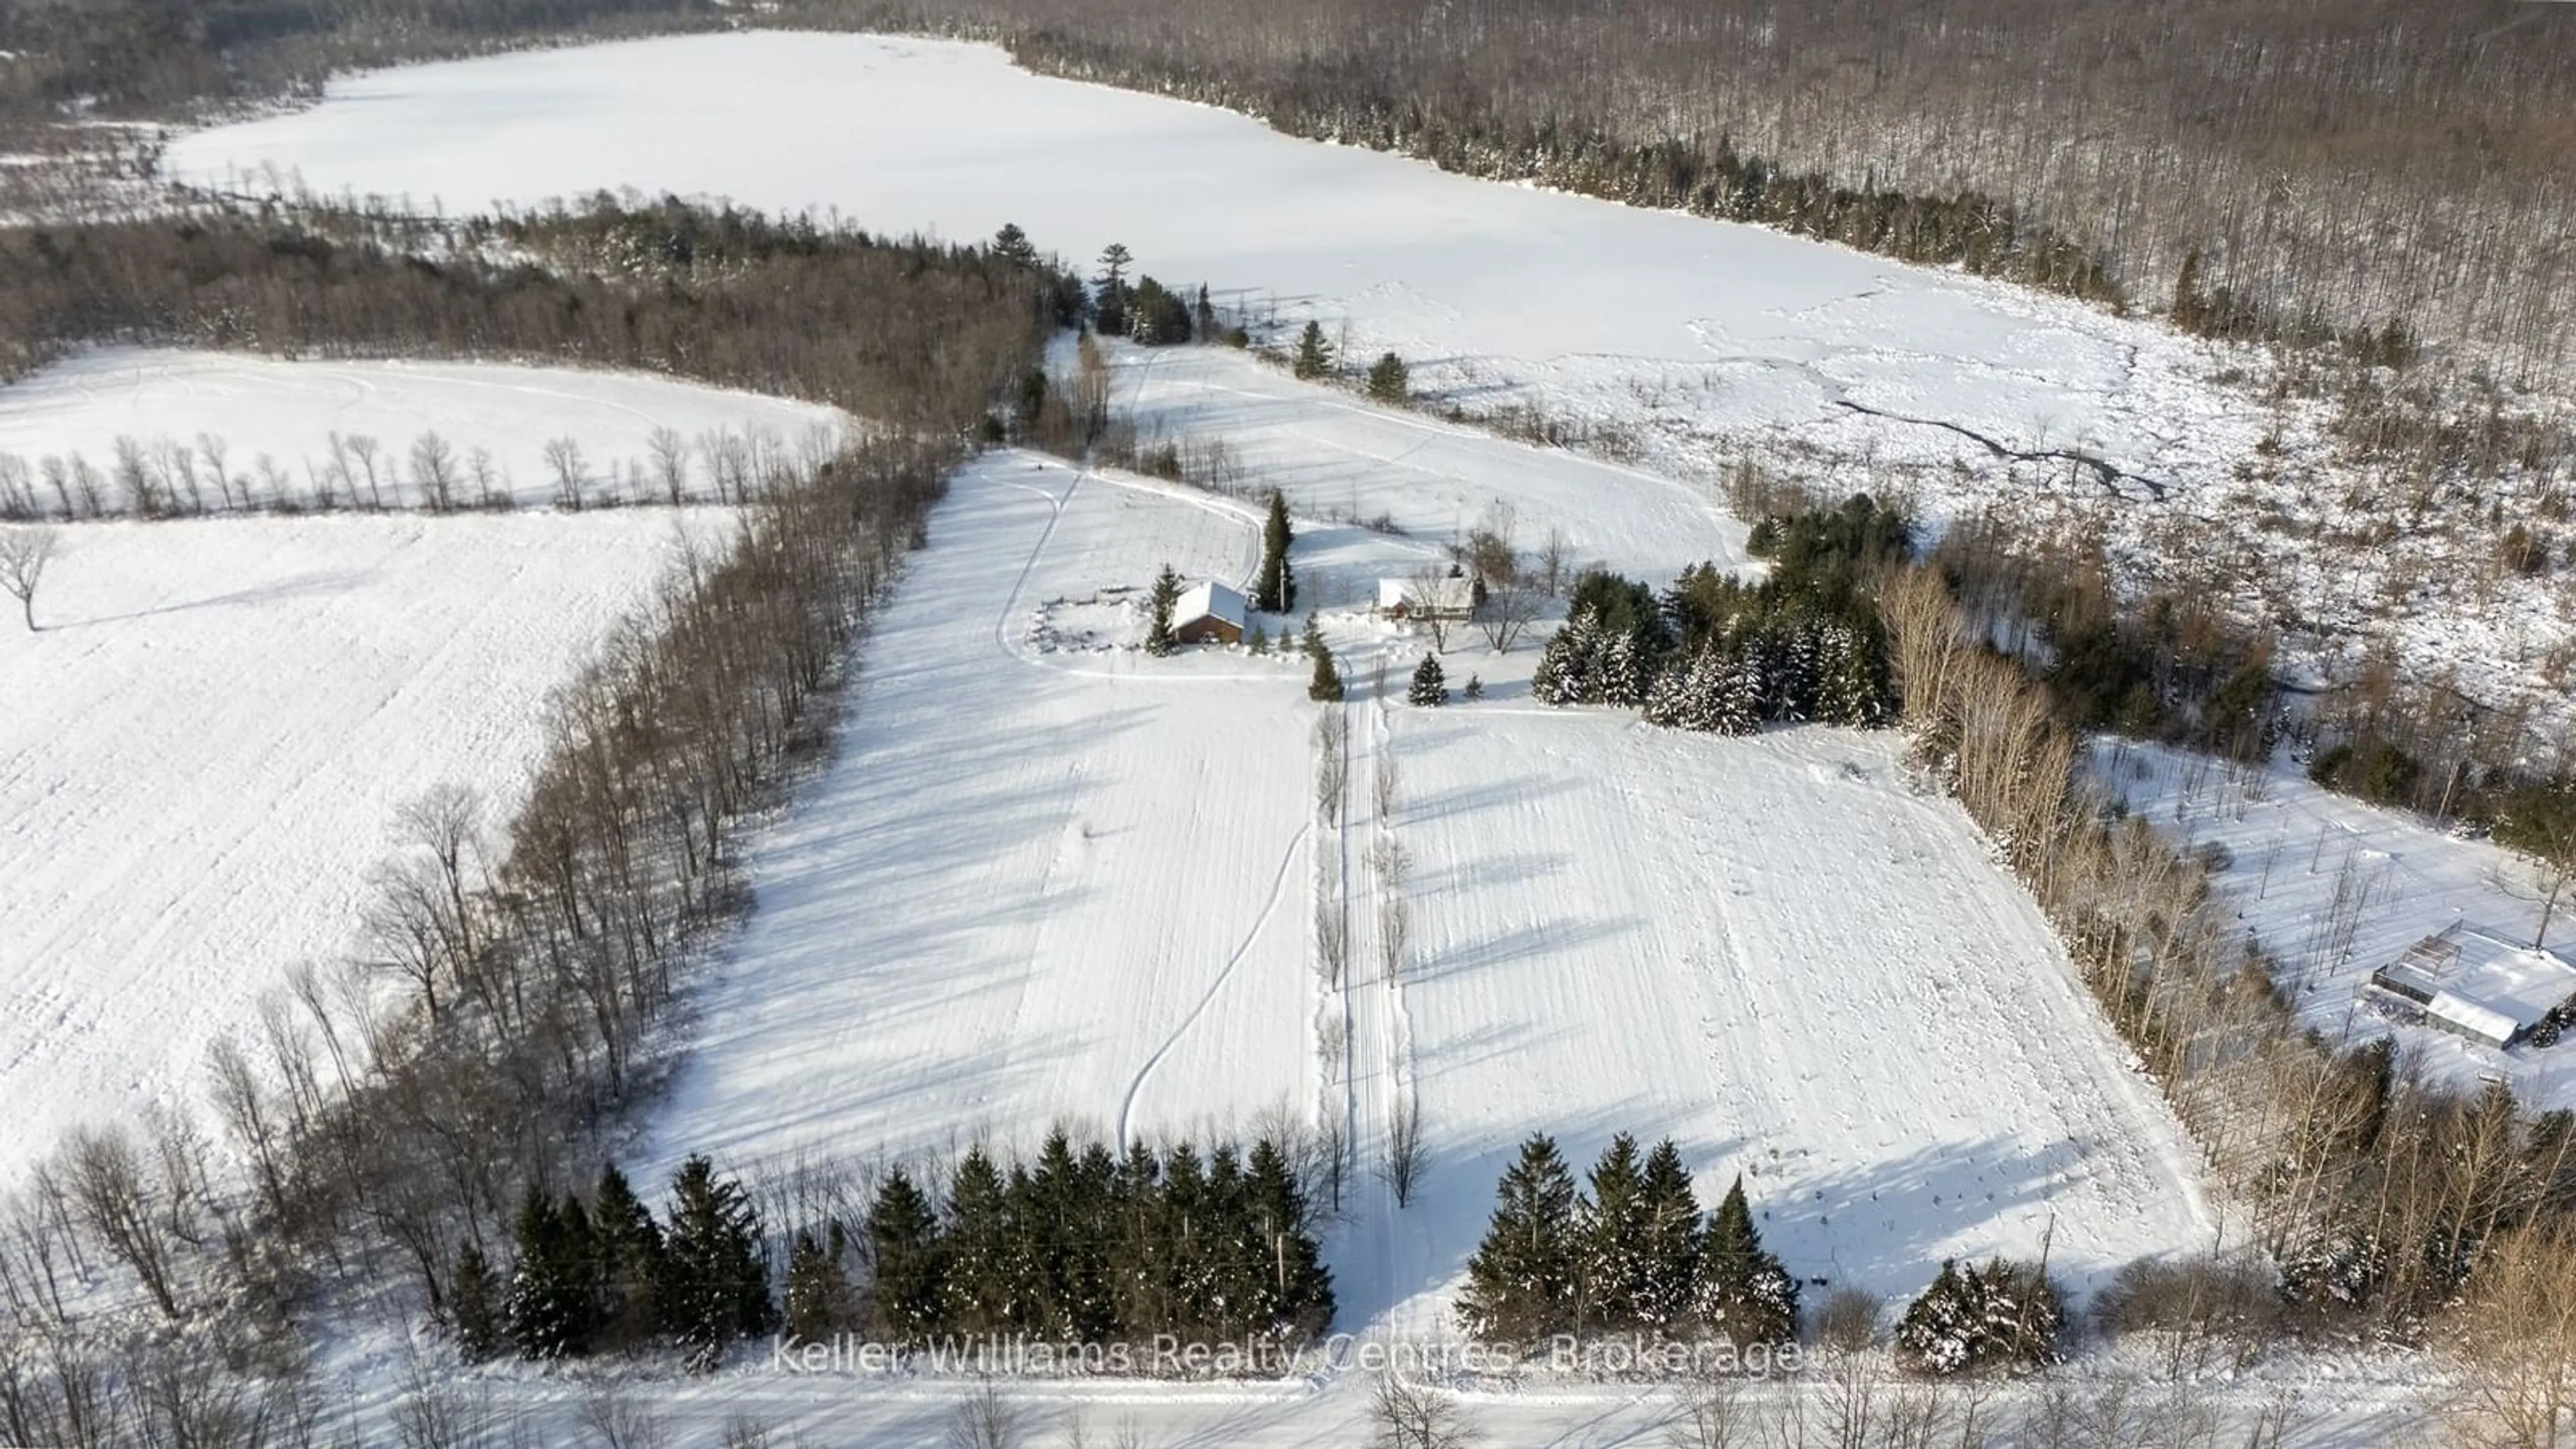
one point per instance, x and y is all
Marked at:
(1085, 1246)
(1630, 1255)
(1079, 1246)
(605, 1275)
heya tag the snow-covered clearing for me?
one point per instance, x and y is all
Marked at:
(2334, 889)
(1686, 342)
(289, 411)
(204, 749)
(1340, 457)
(1046, 885)
(1034, 885)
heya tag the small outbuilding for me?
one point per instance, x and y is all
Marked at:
(1208, 613)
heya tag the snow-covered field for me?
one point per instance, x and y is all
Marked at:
(1046, 886)
(203, 751)
(1695, 343)
(2333, 889)
(263, 412)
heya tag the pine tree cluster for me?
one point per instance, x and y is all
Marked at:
(2005, 1314)
(1630, 1255)
(606, 1276)
(1720, 655)
(1086, 1246)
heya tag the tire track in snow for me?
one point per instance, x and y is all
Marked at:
(1278, 890)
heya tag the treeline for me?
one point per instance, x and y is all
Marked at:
(2289, 169)
(160, 59)
(911, 335)
(168, 478)
(1079, 1246)
(1714, 653)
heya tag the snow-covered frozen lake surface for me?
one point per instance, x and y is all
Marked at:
(1600, 306)
(203, 752)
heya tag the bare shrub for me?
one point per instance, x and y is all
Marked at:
(1848, 1321)
(1407, 1414)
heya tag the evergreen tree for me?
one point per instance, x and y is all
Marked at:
(1430, 685)
(1259, 643)
(904, 1238)
(1938, 1334)
(1296, 1296)
(1610, 1230)
(1388, 382)
(1668, 1291)
(1205, 314)
(1565, 667)
(715, 1286)
(1325, 684)
(1625, 673)
(977, 1287)
(1236, 1268)
(818, 1286)
(474, 1304)
(1520, 1284)
(626, 1256)
(1314, 356)
(1139, 1286)
(1276, 592)
(1190, 1267)
(1109, 311)
(549, 1304)
(1744, 1292)
(1166, 596)
(1012, 245)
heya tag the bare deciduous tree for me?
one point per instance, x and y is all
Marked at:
(571, 472)
(433, 469)
(111, 1189)
(24, 553)
(1506, 613)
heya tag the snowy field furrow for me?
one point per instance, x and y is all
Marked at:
(203, 751)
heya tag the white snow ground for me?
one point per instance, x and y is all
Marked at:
(1048, 885)
(2334, 889)
(1693, 343)
(203, 750)
(288, 410)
